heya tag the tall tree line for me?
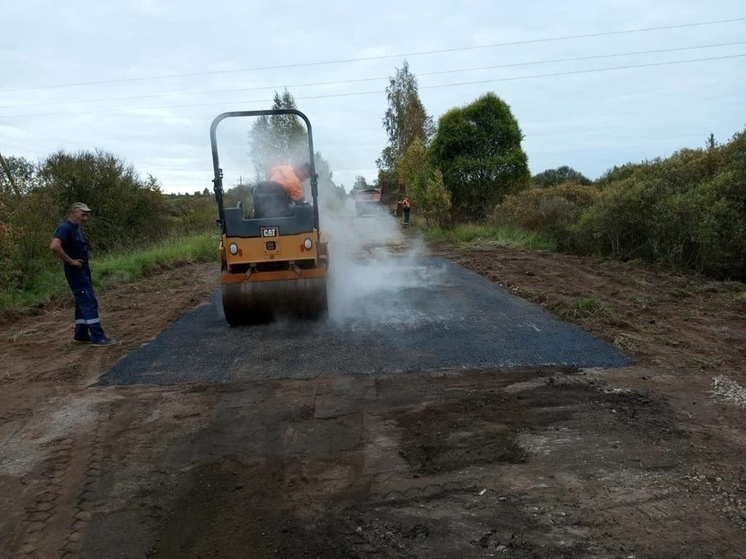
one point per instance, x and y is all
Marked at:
(458, 171)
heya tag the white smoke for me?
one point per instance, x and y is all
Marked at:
(372, 261)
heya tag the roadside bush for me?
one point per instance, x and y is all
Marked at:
(686, 211)
(617, 225)
(620, 173)
(672, 226)
(26, 235)
(560, 175)
(9, 237)
(553, 211)
(720, 229)
(127, 210)
(193, 214)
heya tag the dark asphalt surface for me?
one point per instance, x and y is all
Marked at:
(407, 315)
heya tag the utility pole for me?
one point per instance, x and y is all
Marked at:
(6, 169)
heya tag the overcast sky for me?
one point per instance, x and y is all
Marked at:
(592, 83)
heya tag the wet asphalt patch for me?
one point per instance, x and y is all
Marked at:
(420, 314)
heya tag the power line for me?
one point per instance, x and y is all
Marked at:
(44, 136)
(378, 91)
(359, 80)
(383, 57)
(20, 148)
(629, 67)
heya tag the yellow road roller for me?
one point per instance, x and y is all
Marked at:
(273, 263)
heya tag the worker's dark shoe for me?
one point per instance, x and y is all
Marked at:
(82, 341)
(104, 342)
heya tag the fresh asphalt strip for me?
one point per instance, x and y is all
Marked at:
(439, 317)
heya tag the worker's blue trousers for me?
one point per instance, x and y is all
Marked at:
(87, 322)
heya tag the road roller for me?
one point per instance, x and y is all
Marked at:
(274, 262)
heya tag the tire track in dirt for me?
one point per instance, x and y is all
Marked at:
(46, 506)
(84, 502)
(53, 525)
(14, 415)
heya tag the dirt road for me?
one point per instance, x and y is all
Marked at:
(639, 461)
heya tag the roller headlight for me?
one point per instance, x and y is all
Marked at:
(233, 247)
(307, 244)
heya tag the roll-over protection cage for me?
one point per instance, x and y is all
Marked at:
(247, 226)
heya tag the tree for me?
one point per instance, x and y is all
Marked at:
(478, 149)
(391, 191)
(283, 140)
(17, 176)
(711, 142)
(424, 183)
(554, 177)
(360, 183)
(405, 119)
(278, 139)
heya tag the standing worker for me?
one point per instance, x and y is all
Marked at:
(406, 207)
(68, 245)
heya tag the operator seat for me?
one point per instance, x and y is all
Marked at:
(271, 200)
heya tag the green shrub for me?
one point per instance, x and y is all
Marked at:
(618, 225)
(551, 211)
(128, 212)
(686, 211)
(719, 233)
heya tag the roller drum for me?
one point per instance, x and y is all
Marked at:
(253, 302)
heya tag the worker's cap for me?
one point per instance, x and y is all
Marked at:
(80, 206)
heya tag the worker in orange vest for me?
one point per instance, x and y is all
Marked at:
(291, 179)
(406, 207)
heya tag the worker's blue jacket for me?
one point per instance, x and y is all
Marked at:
(73, 244)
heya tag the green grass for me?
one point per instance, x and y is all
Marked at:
(125, 267)
(585, 307)
(113, 269)
(476, 234)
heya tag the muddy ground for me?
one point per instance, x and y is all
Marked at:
(641, 461)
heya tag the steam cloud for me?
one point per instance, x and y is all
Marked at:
(372, 264)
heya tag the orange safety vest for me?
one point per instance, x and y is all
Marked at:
(285, 175)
